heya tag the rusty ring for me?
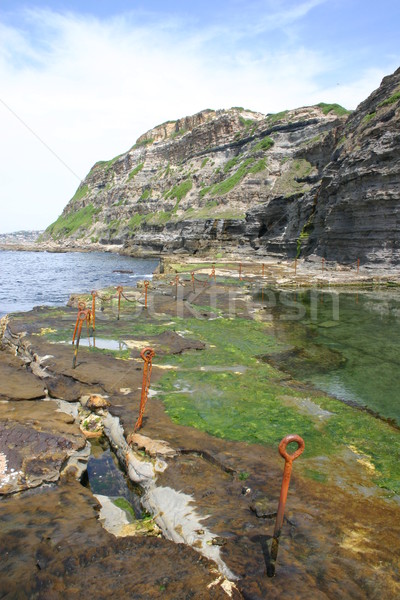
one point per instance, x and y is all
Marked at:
(147, 354)
(286, 440)
(146, 283)
(81, 305)
(94, 293)
(82, 315)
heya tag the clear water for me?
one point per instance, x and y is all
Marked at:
(29, 279)
(347, 344)
(103, 343)
(105, 478)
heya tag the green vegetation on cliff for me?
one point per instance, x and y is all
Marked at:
(135, 171)
(179, 191)
(391, 100)
(80, 193)
(265, 144)
(336, 108)
(273, 118)
(72, 221)
(228, 184)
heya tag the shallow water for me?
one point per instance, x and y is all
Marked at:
(103, 343)
(29, 279)
(106, 478)
(344, 343)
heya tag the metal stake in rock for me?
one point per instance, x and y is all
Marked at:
(289, 458)
(212, 275)
(147, 355)
(83, 315)
(81, 307)
(94, 294)
(146, 284)
(120, 289)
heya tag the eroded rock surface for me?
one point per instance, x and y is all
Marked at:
(16, 382)
(53, 546)
(35, 442)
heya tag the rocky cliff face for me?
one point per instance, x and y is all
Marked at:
(357, 213)
(310, 180)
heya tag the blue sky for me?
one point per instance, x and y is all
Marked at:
(88, 78)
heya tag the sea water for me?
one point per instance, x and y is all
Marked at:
(29, 279)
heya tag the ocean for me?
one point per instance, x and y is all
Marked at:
(29, 279)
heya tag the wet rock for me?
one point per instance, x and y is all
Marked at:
(35, 443)
(91, 425)
(64, 388)
(264, 508)
(314, 358)
(151, 447)
(52, 546)
(178, 343)
(218, 541)
(17, 383)
(95, 402)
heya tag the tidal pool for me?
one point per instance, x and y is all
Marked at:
(344, 343)
(322, 339)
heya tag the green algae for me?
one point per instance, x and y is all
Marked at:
(316, 475)
(126, 506)
(250, 405)
(227, 391)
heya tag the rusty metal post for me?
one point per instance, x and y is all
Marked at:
(289, 458)
(146, 285)
(120, 289)
(358, 265)
(81, 307)
(94, 294)
(147, 355)
(213, 273)
(76, 329)
(193, 284)
(240, 271)
(89, 316)
(176, 286)
(82, 316)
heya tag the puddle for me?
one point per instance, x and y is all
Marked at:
(103, 343)
(100, 343)
(106, 480)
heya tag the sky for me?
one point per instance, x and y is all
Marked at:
(80, 81)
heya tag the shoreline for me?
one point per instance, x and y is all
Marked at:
(307, 272)
(214, 493)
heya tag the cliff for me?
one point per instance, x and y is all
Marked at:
(357, 213)
(313, 180)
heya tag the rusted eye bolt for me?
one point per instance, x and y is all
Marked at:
(147, 354)
(289, 458)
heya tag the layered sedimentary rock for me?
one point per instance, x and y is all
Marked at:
(358, 209)
(313, 180)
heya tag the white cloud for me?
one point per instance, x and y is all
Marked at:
(89, 88)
